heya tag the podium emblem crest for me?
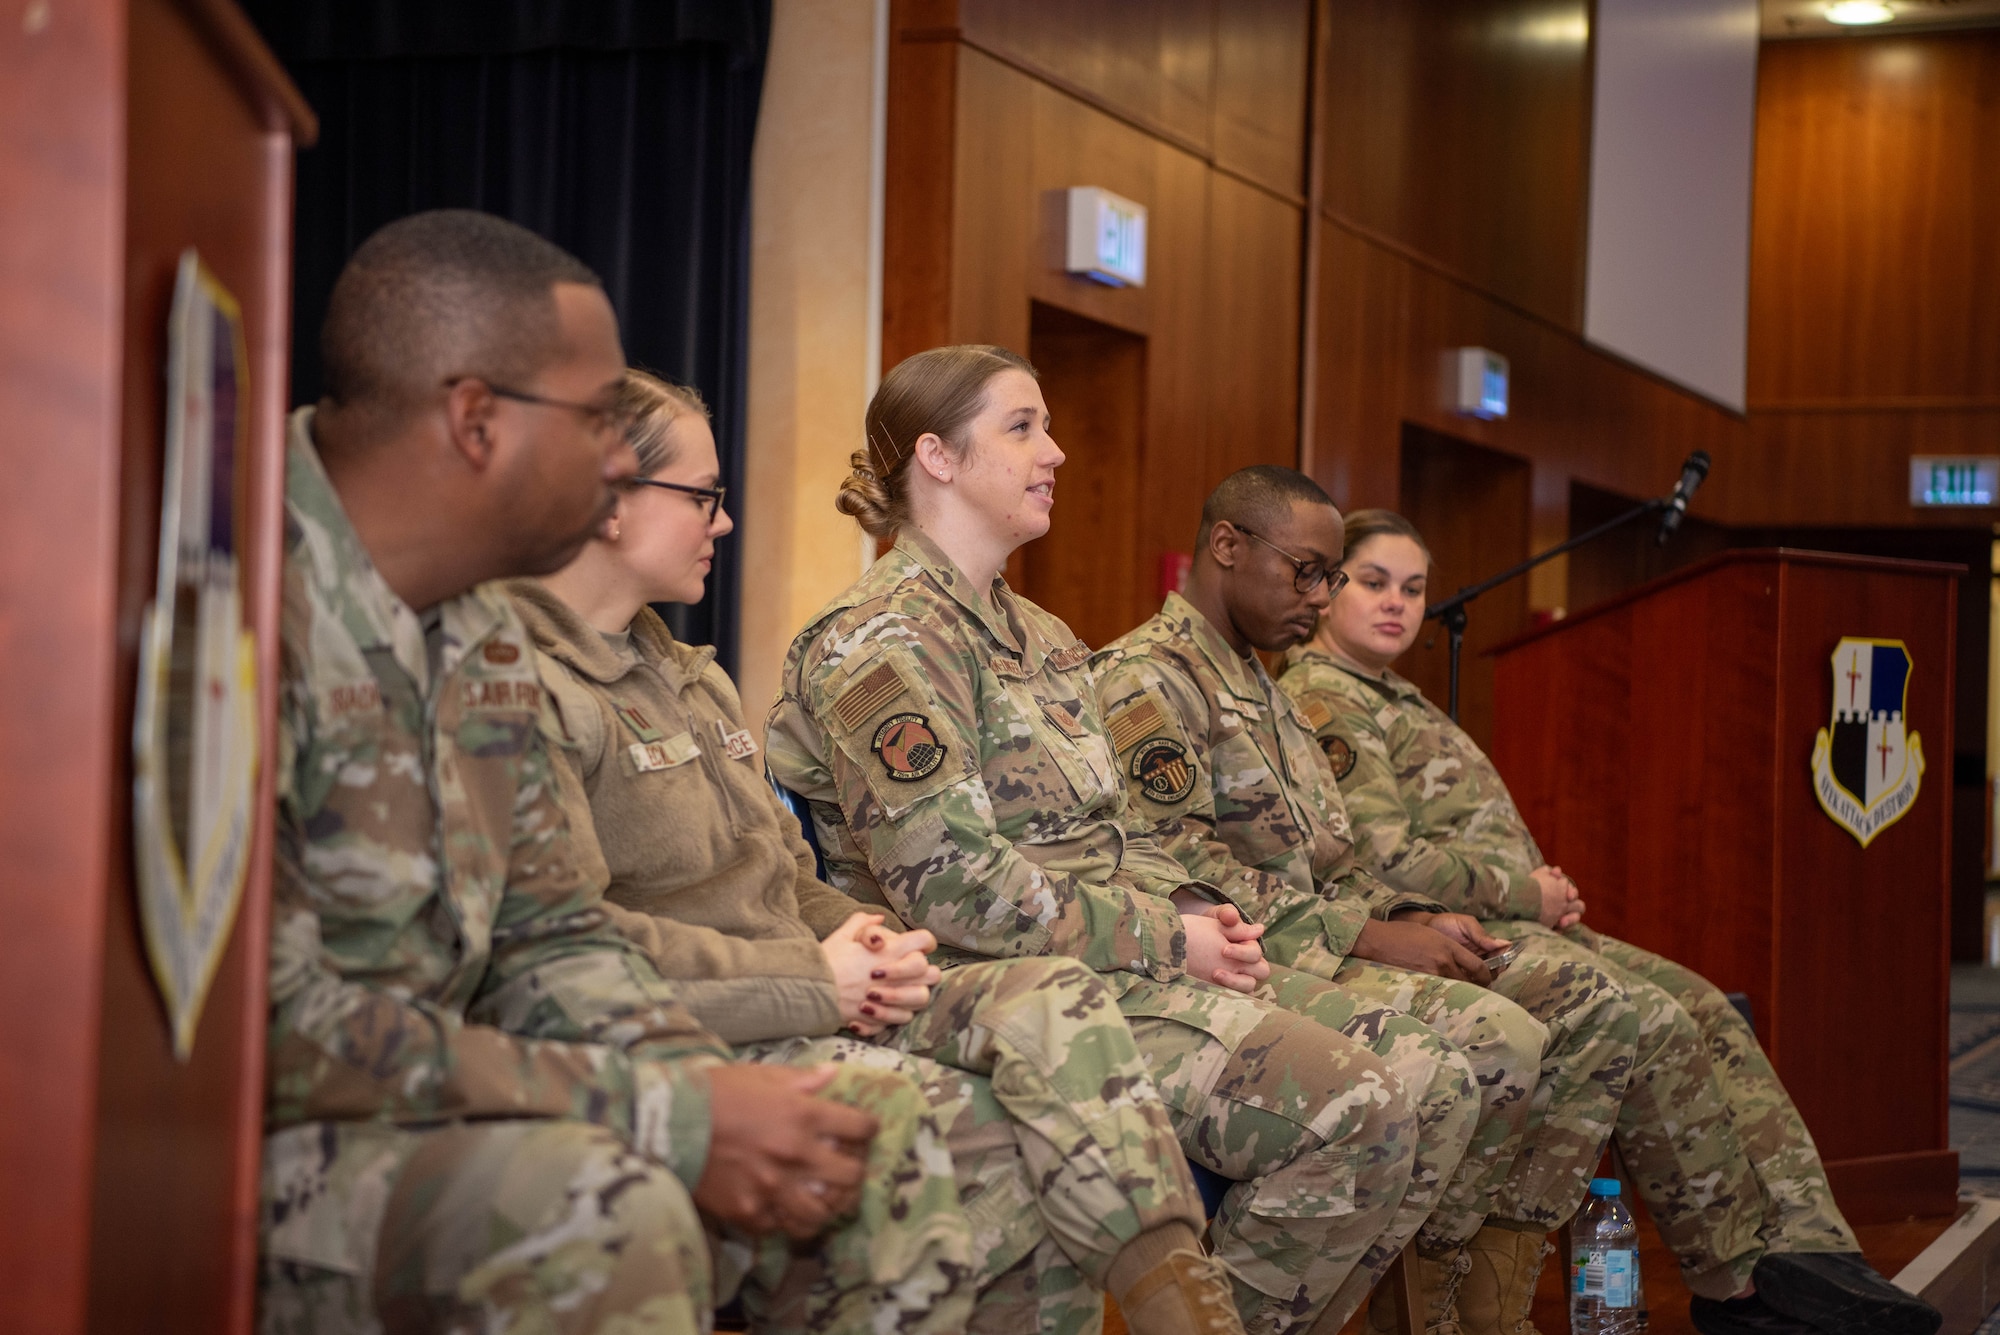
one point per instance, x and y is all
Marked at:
(1866, 764)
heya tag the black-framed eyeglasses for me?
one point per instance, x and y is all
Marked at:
(1306, 575)
(604, 419)
(713, 495)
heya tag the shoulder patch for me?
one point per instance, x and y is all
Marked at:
(1160, 768)
(866, 695)
(1140, 719)
(1317, 712)
(1338, 754)
(907, 747)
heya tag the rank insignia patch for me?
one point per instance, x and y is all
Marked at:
(1866, 765)
(1338, 754)
(907, 747)
(1160, 767)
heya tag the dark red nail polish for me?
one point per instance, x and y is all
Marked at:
(879, 974)
(867, 1010)
(874, 996)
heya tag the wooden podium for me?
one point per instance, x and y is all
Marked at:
(129, 131)
(1662, 749)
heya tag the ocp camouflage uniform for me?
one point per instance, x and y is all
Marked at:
(1722, 1157)
(1055, 1130)
(1224, 770)
(485, 1106)
(959, 778)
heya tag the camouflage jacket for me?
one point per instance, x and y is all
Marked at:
(437, 951)
(959, 775)
(1433, 814)
(708, 872)
(1222, 766)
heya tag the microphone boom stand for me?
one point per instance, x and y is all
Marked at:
(1452, 610)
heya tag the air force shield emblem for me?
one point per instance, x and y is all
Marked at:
(1866, 766)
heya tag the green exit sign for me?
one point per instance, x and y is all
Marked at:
(1962, 479)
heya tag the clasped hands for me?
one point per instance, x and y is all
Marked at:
(1562, 906)
(781, 1158)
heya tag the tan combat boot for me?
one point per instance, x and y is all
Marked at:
(1438, 1280)
(1499, 1294)
(1186, 1294)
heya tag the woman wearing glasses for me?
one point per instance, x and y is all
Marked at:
(1716, 1147)
(1064, 1154)
(946, 732)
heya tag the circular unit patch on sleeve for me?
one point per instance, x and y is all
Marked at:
(1339, 754)
(1159, 765)
(907, 747)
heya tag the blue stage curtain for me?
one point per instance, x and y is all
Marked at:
(619, 129)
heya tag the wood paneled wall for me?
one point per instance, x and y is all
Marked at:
(1875, 276)
(1326, 229)
(1459, 130)
(1195, 108)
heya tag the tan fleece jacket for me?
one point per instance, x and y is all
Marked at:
(706, 865)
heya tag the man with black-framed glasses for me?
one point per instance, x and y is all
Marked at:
(486, 1107)
(1223, 768)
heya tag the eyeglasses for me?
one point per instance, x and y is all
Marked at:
(713, 495)
(1306, 575)
(602, 418)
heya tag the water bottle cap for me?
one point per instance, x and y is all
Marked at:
(1604, 1186)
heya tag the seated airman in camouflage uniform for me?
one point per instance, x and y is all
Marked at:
(1227, 776)
(1721, 1157)
(946, 735)
(487, 1111)
(1066, 1160)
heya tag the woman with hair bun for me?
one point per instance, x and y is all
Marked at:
(946, 734)
(1063, 1154)
(1718, 1150)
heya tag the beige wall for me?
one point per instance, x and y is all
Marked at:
(814, 321)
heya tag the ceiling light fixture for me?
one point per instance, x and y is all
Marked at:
(1857, 13)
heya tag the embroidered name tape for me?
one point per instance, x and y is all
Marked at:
(737, 745)
(475, 695)
(669, 754)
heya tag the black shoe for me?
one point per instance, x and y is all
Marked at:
(1744, 1316)
(1841, 1294)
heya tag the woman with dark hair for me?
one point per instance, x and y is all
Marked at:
(946, 734)
(1721, 1156)
(1063, 1154)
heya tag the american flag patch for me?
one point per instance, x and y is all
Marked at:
(1318, 715)
(865, 698)
(1135, 722)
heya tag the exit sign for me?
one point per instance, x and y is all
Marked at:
(1961, 479)
(1107, 237)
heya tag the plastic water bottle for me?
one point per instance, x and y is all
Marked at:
(1604, 1265)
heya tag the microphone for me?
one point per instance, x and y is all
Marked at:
(1693, 470)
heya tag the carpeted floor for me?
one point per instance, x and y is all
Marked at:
(1975, 1086)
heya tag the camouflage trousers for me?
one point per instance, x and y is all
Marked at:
(1717, 1149)
(1062, 1149)
(1440, 1081)
(1550, 1048)
(1315, 1130)
(558, 1226)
